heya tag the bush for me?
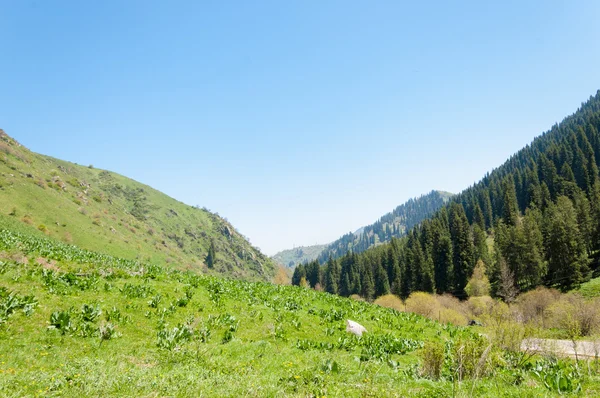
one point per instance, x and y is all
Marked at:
(533, 305)
(423, 304)
(448, 315)
(390, 301)
(574, 315)
(479, 306)
(503, 330)
(432, 357)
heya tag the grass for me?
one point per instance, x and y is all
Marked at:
(183, 334)
(591, 288)
(106, 212)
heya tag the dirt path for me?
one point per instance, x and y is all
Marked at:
(585, 349)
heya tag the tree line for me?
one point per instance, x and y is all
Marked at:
(533, 221)
(392, 225)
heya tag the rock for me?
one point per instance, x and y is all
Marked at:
(355, 328)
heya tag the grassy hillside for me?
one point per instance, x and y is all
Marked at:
(79, 323)
(106, 212)
(292, 257)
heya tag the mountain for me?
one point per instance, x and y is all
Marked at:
(103, 211)
(533, 221)
(298, 255)
(392, 225)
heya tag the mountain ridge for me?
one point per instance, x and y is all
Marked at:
(104, 211)
(401, 219)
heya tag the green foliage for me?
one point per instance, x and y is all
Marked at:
(11, 302)
(121, 209)
(541, 210)
(558, 376)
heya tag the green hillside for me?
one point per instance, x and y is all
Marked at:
(103, 211)
(299, 255)
(79, 323)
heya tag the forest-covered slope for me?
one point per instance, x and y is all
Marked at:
(106, 212)
(298, 255)
(533, 221)
(392, 225)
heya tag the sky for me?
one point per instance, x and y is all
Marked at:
(298, 121)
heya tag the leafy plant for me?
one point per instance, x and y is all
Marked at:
(62, 321)
(558, 376)
(90, 313)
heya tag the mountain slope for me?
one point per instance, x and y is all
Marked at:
(299, 255)
(533, 221)
(392, 225)
(104, 211)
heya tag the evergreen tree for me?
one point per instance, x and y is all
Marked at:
(332, 276)
(442, 260)
(510, 209)
(462, 247)
(382, 284)
(367, 283)
(567, 262)
(299, 274)
(211, 256)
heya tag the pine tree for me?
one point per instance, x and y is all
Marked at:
(211, 256)
(382, 284)
(510, 209)
(462, 247)
(313, 273)
(299, 274)
(442, 260)
(332, 276)
(567, 262)
(367, 283)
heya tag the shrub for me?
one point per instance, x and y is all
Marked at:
(574, 315)
(503, 330)
(390, 301)
(432, 357)
(470, 357)
(423, 303)
(449, 315)
(533, 305)
(479, 306)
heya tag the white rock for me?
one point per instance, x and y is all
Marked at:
(355, 328)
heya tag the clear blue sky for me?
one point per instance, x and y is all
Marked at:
(297, 120)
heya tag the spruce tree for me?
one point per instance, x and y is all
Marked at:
(382, 284)
(211, 256)
(462, 248)
(567, 261)
(367, 283)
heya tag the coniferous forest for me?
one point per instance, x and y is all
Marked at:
(533, 221)
(394, 224)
